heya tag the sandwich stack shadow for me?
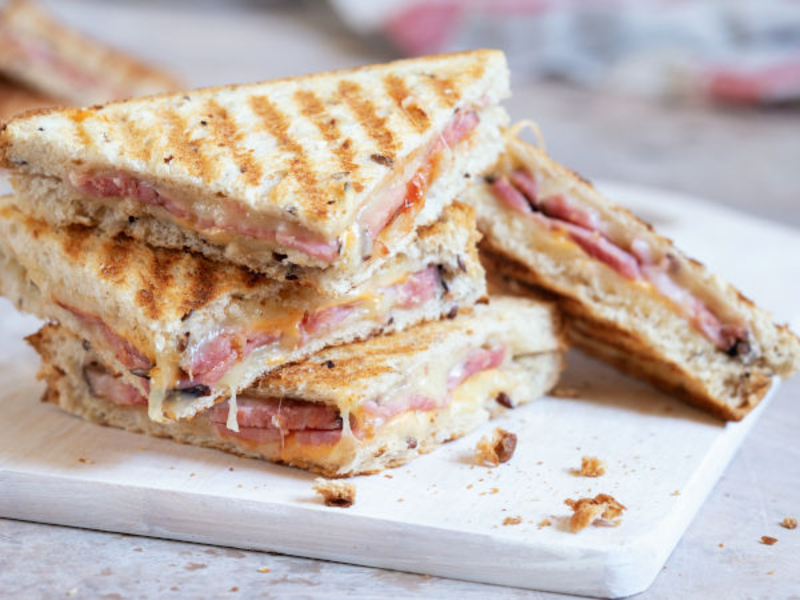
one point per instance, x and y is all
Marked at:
(278, 270)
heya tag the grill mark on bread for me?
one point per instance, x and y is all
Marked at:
(276, 124)
(313, 109)
(445, 89)
(74, 239)
(366, 113)
(77, 117)
(157, 281)
(397, 89)
(201, 285)
(139, 141)
(115, 255)
(184, 150)
(225, 132)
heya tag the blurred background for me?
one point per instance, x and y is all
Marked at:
(701, 97)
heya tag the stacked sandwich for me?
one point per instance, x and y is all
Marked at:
(278, 270)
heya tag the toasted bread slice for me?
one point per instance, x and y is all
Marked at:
(333, 172)
(193, 331)
(62, 63)
(352, 409)
(632, 298)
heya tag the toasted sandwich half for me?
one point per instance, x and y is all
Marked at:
(631, 297)
(351, 409)
(329, 174)
(187, 331)
(61, 63)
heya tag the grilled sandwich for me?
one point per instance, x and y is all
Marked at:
(351, 409)
(630, 296)
(323, 176)
(65, 65)
(188, 332)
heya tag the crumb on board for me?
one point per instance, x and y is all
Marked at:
(512, 520)
(789, 523)
(335, 493)
(565, 392)
(86, 461)
(721, 545)
(264, 570)
(768, 540)
(591, 466)
(586, 511)
(544, 523)
(499, 449)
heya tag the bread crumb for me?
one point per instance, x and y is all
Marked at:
(676, 493)
(497, 450)
(86, 461)
(493, 490)
(335, 493)
(544, 523)
(587, 510)
(789, 523)
(591, 466)
(264, 570)
(234, 589)
(512, 521)
(771, 572)
(768, 540)
(565, 392)
(721, 545)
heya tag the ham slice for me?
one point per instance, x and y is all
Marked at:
(286, 415)
(417, 288)
(511, 196)
(125, 352)
(104, 385)
(600, 247)
(234, 219)
(480, 359)
(585, 227)
(269, 421)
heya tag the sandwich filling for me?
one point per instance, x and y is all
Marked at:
(266, 420)
(636, 261)
(218, 357)
(398, 201)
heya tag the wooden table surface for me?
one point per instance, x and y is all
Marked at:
(741, 158)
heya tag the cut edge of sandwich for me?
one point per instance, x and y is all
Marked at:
(702, 339)
(354, 409)
(188, 331)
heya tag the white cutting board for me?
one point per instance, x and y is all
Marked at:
(440, 514)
